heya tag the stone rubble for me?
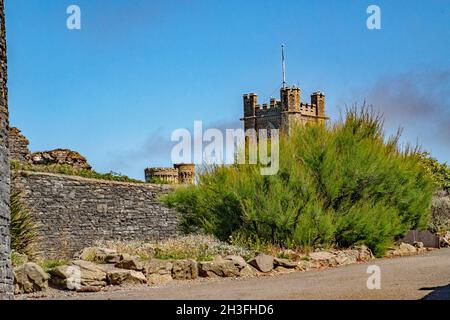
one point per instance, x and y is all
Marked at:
(96, 268)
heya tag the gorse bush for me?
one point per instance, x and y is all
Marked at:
(22, 228)
(340, 185)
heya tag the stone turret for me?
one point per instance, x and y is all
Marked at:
(186, 173)
(180, 174)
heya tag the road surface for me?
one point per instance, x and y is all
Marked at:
(425, 276)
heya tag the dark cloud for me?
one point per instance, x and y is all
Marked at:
(417, 101)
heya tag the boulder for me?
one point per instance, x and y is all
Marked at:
(91, 274)
(238, 261)
(364, 253)
(262, 262)
(158, 279)
(285, 263)
(66, 277)
(119, 277)
(99, 255)
(160, 267)
(219, 267)
(406, 249)
(248, 271)
(347, 257)
(184, 270)
(130, 263)
(304, 265)
(322, 259)
(29, 278)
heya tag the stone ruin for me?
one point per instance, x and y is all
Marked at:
(18, 146)
(19, 151)
(61, 156)
(180, 174)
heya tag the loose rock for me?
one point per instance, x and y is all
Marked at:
(66, 277)
(219, 267)
(248, 271)
(323, 259)
(30, 278)
(161, 267)
(158, 279)
(125, 277)
(238, 261)
(91, 273)
(130, 263)
(185, 270)
(285, 263)
(263, 263)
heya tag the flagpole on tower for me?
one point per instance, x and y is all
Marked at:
(283, 66)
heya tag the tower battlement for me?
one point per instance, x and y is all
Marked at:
(282, 113)
(181, 173)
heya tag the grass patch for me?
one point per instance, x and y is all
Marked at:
(23, 230)
(48, 265)
(71, 171)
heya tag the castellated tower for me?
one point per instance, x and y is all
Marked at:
(284, 113)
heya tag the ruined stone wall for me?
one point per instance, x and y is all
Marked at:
(18, 146)
(74, 212)
(5, 265)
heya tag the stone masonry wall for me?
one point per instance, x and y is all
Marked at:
(18, 146)
(74, 212)
(5, 265)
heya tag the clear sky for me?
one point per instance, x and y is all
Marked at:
(139, 69)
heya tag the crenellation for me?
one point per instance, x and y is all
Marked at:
(181, 173)
(284, 113)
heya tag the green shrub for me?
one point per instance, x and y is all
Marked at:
(439, 172)
(440, 220)
(22, 228)
(49, 265)
(342, 185)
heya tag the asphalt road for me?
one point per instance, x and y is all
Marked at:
(425, 276)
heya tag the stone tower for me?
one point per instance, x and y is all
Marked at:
(284, 113)
(6, 278)
(186, 173)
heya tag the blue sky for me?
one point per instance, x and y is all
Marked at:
(139, 69)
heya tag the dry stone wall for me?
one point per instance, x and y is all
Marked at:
(6, 279)
(74, 212)
(18, 146)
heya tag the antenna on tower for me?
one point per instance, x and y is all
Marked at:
(283, 66)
